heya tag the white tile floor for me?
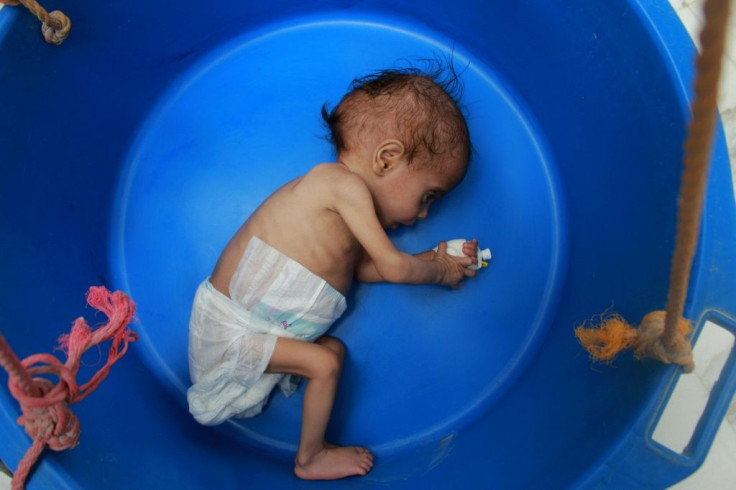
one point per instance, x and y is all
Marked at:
(719, 470)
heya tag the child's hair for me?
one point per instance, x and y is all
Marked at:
(420, 109)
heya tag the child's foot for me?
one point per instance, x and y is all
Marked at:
(334, 462)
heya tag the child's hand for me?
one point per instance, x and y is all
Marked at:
(471, 250)
(454, 269)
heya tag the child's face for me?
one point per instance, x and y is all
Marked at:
(406, 197)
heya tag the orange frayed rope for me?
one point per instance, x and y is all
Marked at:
(664, 335)
(605, 337)
(45, 405)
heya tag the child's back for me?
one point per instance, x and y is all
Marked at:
(301, 221)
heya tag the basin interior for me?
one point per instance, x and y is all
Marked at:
(245, 120)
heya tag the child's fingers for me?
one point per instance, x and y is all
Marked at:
(464, 261)
(471, 248)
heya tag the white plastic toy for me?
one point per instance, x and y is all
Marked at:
(455, 247)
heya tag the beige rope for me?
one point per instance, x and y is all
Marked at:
(696, 162)
(55, 26)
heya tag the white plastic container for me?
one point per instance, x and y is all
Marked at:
(455, 247)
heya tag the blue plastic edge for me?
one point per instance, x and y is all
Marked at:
(6, 18)
(719, 400)
(11, 434)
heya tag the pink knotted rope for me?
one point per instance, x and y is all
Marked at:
(45, 405)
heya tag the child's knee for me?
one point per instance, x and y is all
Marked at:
(330, 362)
(334, 345)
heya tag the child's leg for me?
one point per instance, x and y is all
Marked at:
(320, 363)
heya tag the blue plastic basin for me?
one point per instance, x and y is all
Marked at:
(131, 154)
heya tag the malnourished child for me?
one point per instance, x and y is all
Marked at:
(259, 320)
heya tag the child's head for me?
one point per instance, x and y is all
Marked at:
(409, 137)
(410, 106)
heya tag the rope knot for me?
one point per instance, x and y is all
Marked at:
(46, 415)
(653, 343)
(605, 337)
(55, 26)
(56, 29)
(48, 418)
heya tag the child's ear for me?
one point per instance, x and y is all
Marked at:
(388, 156)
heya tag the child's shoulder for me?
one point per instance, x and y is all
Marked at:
(331, 170)
(333, 184)
(334, 175)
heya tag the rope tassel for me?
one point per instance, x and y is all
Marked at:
(605, 338)
(44, 405)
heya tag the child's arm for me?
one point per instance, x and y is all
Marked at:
(366, 270)
(354, 203)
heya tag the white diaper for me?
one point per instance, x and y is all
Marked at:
(231, 341)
